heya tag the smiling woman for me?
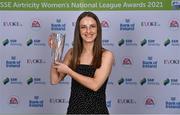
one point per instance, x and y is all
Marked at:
(88, 64)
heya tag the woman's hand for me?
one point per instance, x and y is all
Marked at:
(62, 68)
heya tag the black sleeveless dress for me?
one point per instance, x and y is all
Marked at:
(85, 101)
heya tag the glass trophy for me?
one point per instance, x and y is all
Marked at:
(58, 45)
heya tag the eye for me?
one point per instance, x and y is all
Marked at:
(82, 27)
(93, 26)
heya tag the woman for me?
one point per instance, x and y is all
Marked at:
(88, 64)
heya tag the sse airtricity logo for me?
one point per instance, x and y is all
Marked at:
(6, 80)
(5, 42)
(35, 42)
(11, 42)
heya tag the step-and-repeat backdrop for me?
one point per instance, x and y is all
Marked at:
(143, 35)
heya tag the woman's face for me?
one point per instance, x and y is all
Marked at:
(88, 29)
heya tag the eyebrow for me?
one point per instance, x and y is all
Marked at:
(89, 25)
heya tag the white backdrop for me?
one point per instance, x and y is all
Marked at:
(145, 78)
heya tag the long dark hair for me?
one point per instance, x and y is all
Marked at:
(78, 44)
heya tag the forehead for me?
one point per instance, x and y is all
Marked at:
(87, 20)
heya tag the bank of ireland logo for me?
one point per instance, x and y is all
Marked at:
(58, 25)
(36, 102)
(127, 25)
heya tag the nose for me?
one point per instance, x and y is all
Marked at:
(88, 29)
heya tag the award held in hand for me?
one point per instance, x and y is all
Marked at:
(58, 46)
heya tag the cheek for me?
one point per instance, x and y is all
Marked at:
(95, 31)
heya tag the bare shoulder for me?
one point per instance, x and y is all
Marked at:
(108, 53)
(108, 58)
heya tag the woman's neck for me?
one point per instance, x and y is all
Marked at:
(88, 48)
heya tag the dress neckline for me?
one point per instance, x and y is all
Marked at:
(84, 65)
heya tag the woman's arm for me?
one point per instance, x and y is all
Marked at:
(100, 76)
(56, 77)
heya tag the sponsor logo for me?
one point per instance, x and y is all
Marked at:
(107, 42)
(127, 81)
(11, 24)
(127, 25)
(149, 63)
(149, 102)
(13, 101)
(173, 103)
(171, 81)
(6, 80)
(12, 80)
(172, 42)
(36, 24)
(105, 24)
(127, 62)
(172, 61)
(12, 42)
(35, 61)
(36, 102)
(35, 80)
(13, 63)
(35, 42)
(167, 42)
(58, 100)
(149, 81)
(126, 101)
(127, 42)
(149, 42)
(58, 26)
(121, 42)
(174, 24)
(149, 24)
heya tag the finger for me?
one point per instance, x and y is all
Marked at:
(55, 66)
(57, 63)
